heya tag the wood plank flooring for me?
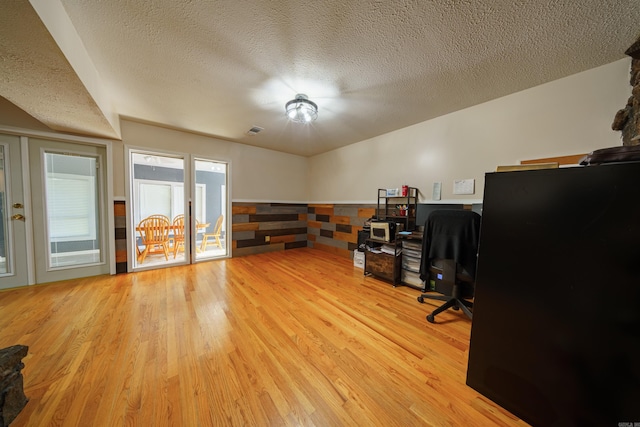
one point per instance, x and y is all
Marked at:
(293, 338)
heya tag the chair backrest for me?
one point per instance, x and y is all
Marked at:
(158, 216)
(450, 247)
(154, 229)
(178, 226)
(218, 227)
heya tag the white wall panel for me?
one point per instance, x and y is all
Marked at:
(569, 116)
(257, 174)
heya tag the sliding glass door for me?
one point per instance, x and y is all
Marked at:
(210, 209)
(173, 225)
(158, 209)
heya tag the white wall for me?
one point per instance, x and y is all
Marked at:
(569, 116)
(257, 174)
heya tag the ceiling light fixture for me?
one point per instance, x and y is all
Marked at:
(301, 110)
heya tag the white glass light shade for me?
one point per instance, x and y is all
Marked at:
(301, 110)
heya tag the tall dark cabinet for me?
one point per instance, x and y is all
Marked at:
(555, 337)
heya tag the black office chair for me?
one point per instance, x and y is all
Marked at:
(449, 256)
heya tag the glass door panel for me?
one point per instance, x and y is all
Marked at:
(72, 206)
(69, 210)
(13, 236)
(158, 210)
(210, 209)
(5, 251)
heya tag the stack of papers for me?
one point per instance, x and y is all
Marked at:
(390, 249)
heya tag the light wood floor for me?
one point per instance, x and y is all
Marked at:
(290, 338)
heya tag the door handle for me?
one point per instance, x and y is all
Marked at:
(18, 205)
(18, 216)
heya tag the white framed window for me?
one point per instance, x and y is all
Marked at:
(165, 198)
(71, 207)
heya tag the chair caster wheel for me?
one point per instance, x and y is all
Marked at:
(431, 319)
(420, 300)
(455, 307)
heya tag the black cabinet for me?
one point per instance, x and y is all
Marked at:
(555, 336)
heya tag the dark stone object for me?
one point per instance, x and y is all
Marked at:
(634, 50)
(12, 398)
(626, 153)
(627, 120)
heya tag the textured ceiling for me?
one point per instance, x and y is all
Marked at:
(221, 67)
